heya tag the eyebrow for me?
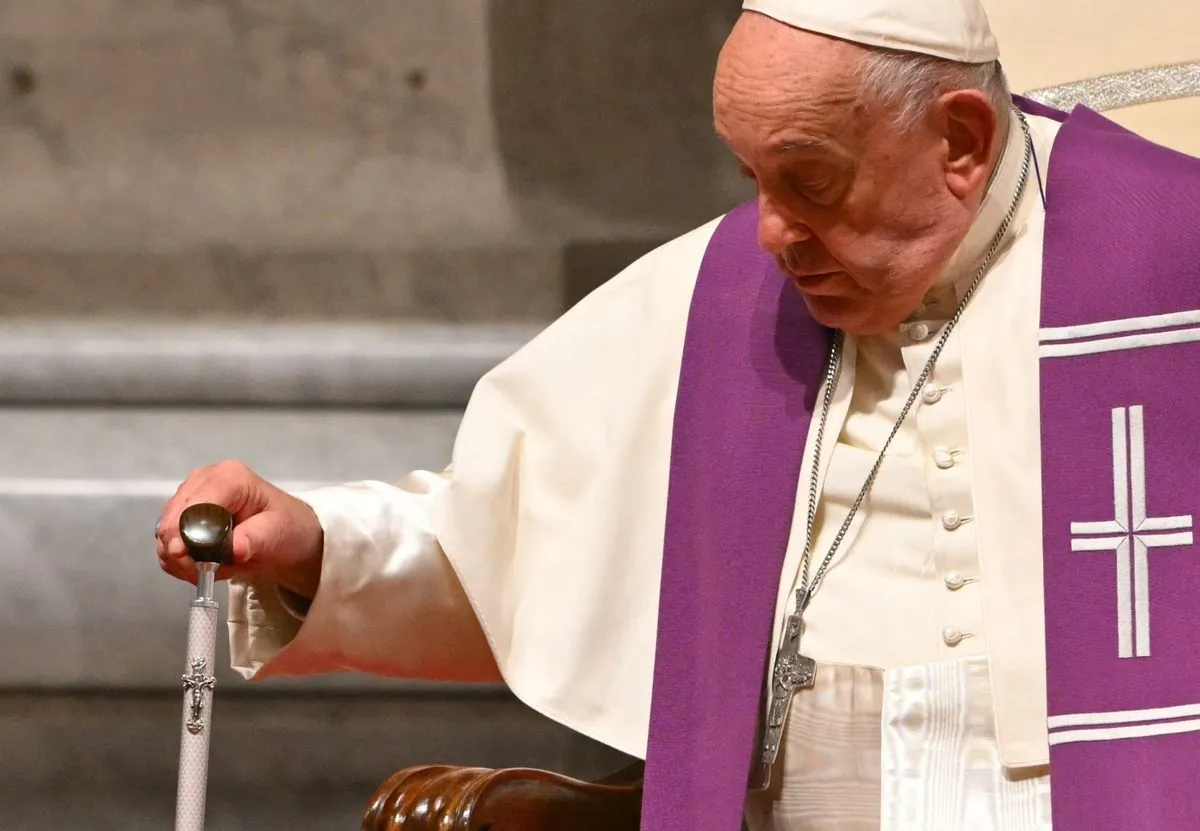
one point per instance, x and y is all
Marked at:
(799, 144)
(806, 143)
(792, 144)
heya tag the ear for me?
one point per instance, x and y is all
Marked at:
(968, 121)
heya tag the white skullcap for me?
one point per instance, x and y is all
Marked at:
(957, 30)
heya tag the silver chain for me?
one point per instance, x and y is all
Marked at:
(833, 370)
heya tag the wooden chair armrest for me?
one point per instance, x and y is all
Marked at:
(440, 798)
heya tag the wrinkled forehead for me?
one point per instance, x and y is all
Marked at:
(770, 76)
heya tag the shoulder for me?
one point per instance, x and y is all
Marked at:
(1099, 151)
(639, 314)
(659, 282)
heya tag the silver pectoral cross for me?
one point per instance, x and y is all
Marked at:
(791, 673)
(196, 682)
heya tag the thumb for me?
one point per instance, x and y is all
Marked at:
(255, 538)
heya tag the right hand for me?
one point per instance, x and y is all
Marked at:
(275, 536)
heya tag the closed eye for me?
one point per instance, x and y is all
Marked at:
(821, 191)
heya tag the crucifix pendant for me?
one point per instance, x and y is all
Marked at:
(791, 673)
(196, 683)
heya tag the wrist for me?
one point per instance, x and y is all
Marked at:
(306, 577)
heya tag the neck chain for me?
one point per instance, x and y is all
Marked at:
(833, 371)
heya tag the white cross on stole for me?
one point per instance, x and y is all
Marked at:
(1131, 534)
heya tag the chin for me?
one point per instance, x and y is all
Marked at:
(850, 314)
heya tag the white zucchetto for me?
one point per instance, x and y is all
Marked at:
(957, 30)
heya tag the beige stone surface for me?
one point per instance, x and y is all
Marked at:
(1050, 42)
(291, 123)
(448, 285)
(428, 160)
(607, 107)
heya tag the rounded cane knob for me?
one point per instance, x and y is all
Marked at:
(207, 532)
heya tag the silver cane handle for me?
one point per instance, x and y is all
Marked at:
(207, 532)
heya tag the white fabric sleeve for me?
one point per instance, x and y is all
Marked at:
(388, 601)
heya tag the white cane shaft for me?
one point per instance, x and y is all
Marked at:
(197, 721)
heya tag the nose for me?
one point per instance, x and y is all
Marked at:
(777, 230)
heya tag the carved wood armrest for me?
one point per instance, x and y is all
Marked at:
(478, 799)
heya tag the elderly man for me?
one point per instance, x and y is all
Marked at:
(807, 506)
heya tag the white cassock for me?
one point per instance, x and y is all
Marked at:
(929, 710)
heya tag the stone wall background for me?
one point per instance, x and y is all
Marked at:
(416, 160)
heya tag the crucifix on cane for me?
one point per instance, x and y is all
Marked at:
(207, 532)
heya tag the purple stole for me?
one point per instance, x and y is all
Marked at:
(1122, 241)
(1120, 381)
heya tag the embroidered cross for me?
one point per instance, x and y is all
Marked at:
(1131, 534)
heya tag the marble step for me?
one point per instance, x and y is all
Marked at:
(510, 282)
(110, 760)
(76, 362)
(501, 282)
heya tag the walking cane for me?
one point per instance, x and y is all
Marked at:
(207, 532)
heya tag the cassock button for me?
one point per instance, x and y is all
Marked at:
(943, 458)
(919, 332)
(952, 636)
(931, 394)
(951, 520)
(955, 581)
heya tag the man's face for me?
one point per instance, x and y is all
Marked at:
(860, 215)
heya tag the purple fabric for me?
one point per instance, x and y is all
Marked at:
(1122, 241)
(1031, 107)
(752, 364)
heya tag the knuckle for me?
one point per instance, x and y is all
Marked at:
(232, 467)
(225, 482)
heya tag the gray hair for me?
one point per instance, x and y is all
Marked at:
(908, 83)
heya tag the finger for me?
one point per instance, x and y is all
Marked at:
(229, 572)
(160, 551)
(243, 546)
(160, 526)
(186, 483)
(185, 569)
(240, 494)
(175, 553)
(168, 518)
(256, 539)
(179, 569)
(166, 559)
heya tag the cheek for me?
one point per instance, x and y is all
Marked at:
(883, 260)
(900, 193)
(887, 228)
(867, 244)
